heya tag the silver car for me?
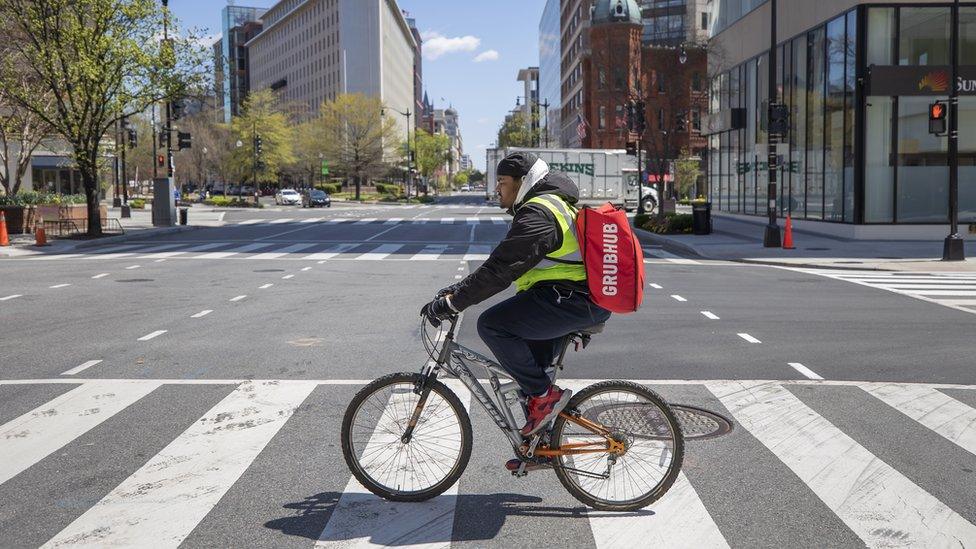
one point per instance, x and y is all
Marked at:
(288, 197)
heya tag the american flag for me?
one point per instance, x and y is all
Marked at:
(581, 126)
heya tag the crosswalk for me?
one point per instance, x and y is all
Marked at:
(218, 456)
(954, 290)
(467, 220)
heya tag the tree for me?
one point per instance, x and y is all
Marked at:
(431, 151)
(260, 118)
(358, 141)
(307, 162)
(461, 179)
(100, 60)
(687, 170)
(212, 148)
(21, 131)
(476, 176)
(518, 132)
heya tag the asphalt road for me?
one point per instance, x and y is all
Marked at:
(113, 359)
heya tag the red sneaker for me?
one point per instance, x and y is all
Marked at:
(543, 409)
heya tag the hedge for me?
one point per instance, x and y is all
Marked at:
(33, 198)
(672, 223)
(331, 188)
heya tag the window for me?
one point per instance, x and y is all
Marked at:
(923, 37)
(696, 119)
(695, 81)
(704, 21)
(660, 81)
(923, 174)
(815, 124)
(602, 121)
(834, 122)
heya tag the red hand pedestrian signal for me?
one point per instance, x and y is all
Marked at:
(160, 161)
(937, 118)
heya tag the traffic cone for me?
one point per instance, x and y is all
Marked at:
(4, 238)
(40, 238)
(788, 237)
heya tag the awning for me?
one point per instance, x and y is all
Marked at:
(52, 162)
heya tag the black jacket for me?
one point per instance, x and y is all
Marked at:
(534, 234)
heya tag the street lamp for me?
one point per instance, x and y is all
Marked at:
(543, 104)
(409, 150)
(321, 158)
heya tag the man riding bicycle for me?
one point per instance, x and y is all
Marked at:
(540, 254)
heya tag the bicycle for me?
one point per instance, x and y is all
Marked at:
(407, 437)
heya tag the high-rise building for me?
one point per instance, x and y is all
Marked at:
(550, 71)
(238, 25)
(574, 45)
(675, 22)
(529, 100)
(445, 121)
(311, 51)
(418, 71)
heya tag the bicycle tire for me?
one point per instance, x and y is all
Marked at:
(387, 492)
(577, 402)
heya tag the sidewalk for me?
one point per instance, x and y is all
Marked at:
(137, 227)
(736, 239)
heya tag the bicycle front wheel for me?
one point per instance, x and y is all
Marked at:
(427, 465)
(649, 432)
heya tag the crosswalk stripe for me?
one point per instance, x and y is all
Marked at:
(251, 221)
(477, 253)
(36, 434)
(381, 252)
(335, 250)
(497, 220)
(234, 251)
(311, 220)
(283, 251)
(934, 409)
(912, 287)
(393, 221)
(361, 519)
(447, 220)
(429, 253)
(279, 221)
(472, 220)
(680, 519)
(365, 221)
(865, 492)
(189, 476)
(338, 220)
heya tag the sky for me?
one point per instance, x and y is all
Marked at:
(473, 50)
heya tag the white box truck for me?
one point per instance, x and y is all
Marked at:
(602, 175)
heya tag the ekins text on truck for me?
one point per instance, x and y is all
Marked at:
(602, 175)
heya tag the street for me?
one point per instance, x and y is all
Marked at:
(188, 389)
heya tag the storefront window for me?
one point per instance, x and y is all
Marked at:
(799, 128)
(850, 77)
(923, 36)
(967, 159)
(923, 175)
(749, 162)
(834, 122)
(762, 160)
(735, 175)
(879, 174)
(967, 36)
(815, 124)
(881, 36)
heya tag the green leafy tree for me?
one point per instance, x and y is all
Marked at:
(518, 132)
(461, 179)
(431, 151)
(687, 170)
(261, 118)
(358, 141)
(97, 61)
(476, 176)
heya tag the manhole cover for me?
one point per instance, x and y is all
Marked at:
(643, 420)
(269, 271)
(135, 280)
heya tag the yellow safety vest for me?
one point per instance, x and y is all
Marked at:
(566, 263)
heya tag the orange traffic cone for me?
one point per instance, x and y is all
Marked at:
(4, 238)
(40, 238)
(788, 238)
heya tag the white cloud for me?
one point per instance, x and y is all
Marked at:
(436, 45)
(487, 55)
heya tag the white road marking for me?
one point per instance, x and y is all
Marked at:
(680, 519)
(393, 221)
(656, 286)
(265, 286)
(711, 315)
(234, 251)
(159, 260)
(250, 221)
(499, 220)
(200, 248)
(672, 258)
(102, 275)
(130, 267)
(472, 220)
(288, 277)
(294, 248)
(190, 476)
(9, 297)
(804, 370)
(202, 313)
(280, 221)
(306, 269)
(147, 337)
(380, 252)
(365, 221)
(53, 256)
(361, 519)
(81, 367)
(477, 253)
(749, 338)
(678, 298)
(429, 253)
(340, 249)
(944, 292)
(59, 286)
(238, 298)
(936, 410)
(311, 220)
(458, 277)
(447, 221)
(35, 435)
(866, 493)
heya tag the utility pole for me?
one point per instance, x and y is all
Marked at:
(116, 199)
(155, 148)
(170, 172)
(771, 238)
(954, 248)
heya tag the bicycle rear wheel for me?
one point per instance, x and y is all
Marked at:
(648, 429)
(427, 465)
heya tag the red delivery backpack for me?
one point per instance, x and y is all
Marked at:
(613, 258)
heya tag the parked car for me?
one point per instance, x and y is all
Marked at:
(288, 197)
(315, 197)
(465, 189)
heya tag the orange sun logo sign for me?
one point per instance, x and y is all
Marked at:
(936, 81)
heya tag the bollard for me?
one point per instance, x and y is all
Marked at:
(183, 214)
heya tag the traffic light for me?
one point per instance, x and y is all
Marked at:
(161, 160)
(779, 120)
(937, 118)
(631, 117)
(183, 140)
(258, 149)
(176, 109)
(679, 121)
(632, 148)
(133, 138)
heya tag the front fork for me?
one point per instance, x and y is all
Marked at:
(426, 381)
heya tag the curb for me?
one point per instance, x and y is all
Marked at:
(647, 237)
(70, 246)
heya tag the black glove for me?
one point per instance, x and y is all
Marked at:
(437, 310)
(449, 290)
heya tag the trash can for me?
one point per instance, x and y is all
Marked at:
(701, 217)
(183, 213)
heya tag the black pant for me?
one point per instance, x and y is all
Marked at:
(524, 332)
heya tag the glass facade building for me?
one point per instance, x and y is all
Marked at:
(550, 74)
(233, 60)
(858, 87)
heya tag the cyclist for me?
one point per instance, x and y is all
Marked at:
(540, 254)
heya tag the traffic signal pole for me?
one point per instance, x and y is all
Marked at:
(771, 238)
(954, 249)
